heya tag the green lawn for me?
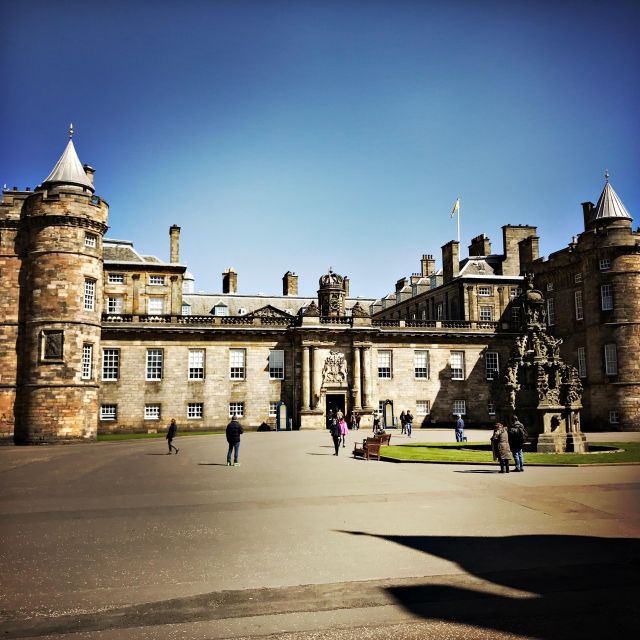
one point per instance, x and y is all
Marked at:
(111, 437)
(479, 452)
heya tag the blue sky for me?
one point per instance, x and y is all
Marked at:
(286, 135)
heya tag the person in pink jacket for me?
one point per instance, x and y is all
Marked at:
(344, 430)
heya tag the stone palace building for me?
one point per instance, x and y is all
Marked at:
(98, 337)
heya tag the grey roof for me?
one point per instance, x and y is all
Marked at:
(609, 205)
(68, 170)
(481, 265)
(120, 251)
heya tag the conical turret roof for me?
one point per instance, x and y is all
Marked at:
(609, 204)
(68, 170)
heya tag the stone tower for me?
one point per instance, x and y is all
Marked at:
(61, 282)
(332, 294)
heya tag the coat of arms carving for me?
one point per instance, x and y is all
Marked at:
(335, 368)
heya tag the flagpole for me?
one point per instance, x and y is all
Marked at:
(458, 220)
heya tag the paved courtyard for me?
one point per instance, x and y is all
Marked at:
(119, 540)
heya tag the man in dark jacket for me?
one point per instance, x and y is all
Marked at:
(171, 434)
(234, 430)
(517, 438)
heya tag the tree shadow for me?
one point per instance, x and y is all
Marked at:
(581, 586)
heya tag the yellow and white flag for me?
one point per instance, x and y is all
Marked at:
(456, 208)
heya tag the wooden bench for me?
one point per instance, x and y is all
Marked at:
(370, 448)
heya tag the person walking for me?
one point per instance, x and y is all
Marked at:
(517, 438)
(344, 430)
(460, 429)
(500, 447)
(408, 420)
(358, 416)
(376, 423)
(171, 434)
(336, 435)
(403, 423)
(234, 431)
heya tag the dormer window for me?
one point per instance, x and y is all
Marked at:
(221, 310)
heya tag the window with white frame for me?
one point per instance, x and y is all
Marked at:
(155, 306)
(87, 361)
(110, 364)
(486, 313)
(606, 297)
(456, 362)
(577, 299)
(484, 291)
(196, 364)
(195, 410)
(108, 412)
(610, 359)
(459, 407)
(384, 364)
(89, 294)
(156, 280)
(90, 240)
(154, 364)
(582, 362)
(614, 418)
(115, 278)
(491, 408)
(186, 309)
(236, 409)
(221, 310)
(577, 277)
(237, 364)
(152, 411)
(604, 264)
(381, 405)
(491, 364)
(114, 304)
(549, 286)
(276, 364)
(439, 310)
(514, 292)
(421, 364)
(423, 407)
(551, 312)
(273, 409)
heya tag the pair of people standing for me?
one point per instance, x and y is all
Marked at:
(339, 431)
(406, 422)
(355, 420)
(506, 442)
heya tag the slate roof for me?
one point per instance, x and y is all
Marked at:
(68, 170)
(609, 205)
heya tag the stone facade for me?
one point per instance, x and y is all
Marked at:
(144, 348)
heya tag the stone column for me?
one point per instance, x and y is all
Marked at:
(305, 378)
(471, 299)
(176, 303)
(357, 382)
(501, 304)
(316, 378)
(366, 377)
(135, 308)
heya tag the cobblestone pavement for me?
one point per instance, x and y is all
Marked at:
(120, 540)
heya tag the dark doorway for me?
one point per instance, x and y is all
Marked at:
(335, 402)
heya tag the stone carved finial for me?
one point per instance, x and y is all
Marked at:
(70, 130)
(312, 310)
(358, 312)
(606, 175)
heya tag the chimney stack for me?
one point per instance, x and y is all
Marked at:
(480, 246)
(229, 281)
(289, 284)
(174, 243)
(428, 265)
(89, 171)
(450, 261)
(345, 284)
(529, 251)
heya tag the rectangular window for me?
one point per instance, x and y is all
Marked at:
(577, 277)
(90, 240)
(156, 280)
(486, 314)
(276, 364)
(421, 364)
(384, 364)
(115, 278)
(423, 407)
(196, 364)
(108, 412)
(577, 298)
(604, 264)
(491, 408)
(152, 412)
(236, 409)
(221, 310)
(154, 364)
(236, 364)
(515, 316)
(155, 306)
(611, 359)
(273, 409)
(110, 364)
(439, 311)
(549, 286)
(456, 361)
(514, 292)
(484, 291)
(114, 304)
(87, 361)
(491, 364)
(551, 312)
(582, 362)
(459, 407)
(381, 404)
(613, 417)
(195, 410)
(606, 297)
(186, 309)
(89, 294)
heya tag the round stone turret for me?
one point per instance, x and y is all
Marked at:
(332, 294)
